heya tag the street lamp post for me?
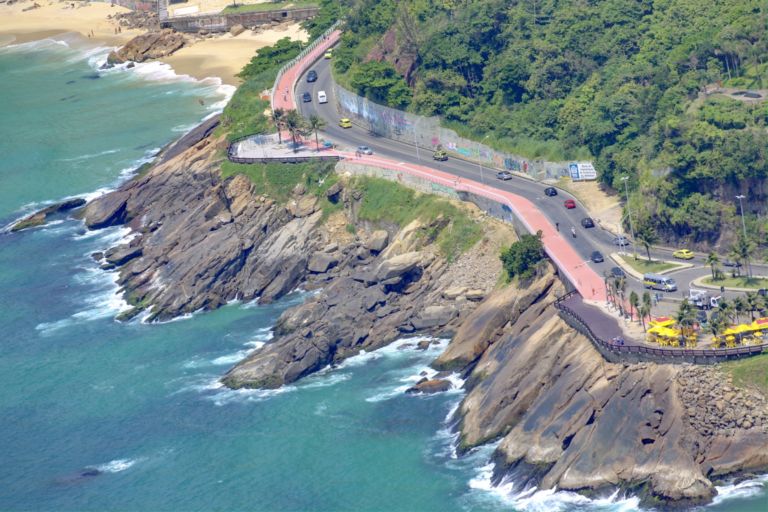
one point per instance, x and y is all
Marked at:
(415, 141)
(480, 163)
(629, 213)
(744, 230)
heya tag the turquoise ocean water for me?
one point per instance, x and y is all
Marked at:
(98, 415)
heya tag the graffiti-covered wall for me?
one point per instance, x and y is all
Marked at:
(427, 133)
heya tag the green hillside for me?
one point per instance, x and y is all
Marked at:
(622, 81)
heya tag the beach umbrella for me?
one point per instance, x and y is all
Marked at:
(662, 321)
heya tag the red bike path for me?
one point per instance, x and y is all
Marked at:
(588, 282)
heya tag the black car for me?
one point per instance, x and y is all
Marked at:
(312, 76)
(587, 222)
(731, 263)
(550, 191)
(596, 257)
(306, 97)
(504, 175)
(618, 272)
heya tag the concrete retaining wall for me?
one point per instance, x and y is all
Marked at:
(427, 133)
(223, 22)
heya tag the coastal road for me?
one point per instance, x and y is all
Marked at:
(586, 241)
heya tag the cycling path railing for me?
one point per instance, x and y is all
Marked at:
(573, 311)
(285, 82)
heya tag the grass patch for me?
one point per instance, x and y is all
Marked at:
(751, 372)
(267, 6)
(277, 181)
(644, 266)
(387, 202)
(738, 282)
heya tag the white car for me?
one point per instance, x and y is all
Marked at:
(364, 150)
(321, 97)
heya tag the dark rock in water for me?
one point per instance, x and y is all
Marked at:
(70, 82)
(90, 473)
(152, 45)
(92, 76)
(39, 218)
(107, 210)
(429, 386)
(423, 345)
(131, 65)
(97, 256)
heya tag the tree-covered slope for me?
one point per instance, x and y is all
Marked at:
(621, 80)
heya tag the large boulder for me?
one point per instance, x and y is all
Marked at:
(152, 45)
(107, 210)
(378, 241)
(434, 316)
(322, 262)
(402, 264)
(303, 206)
(122, 254)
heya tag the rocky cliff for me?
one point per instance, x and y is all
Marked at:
(567, 419)
(152, 45)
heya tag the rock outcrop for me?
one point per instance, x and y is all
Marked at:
(40, 218)
(152, 45)
(569, 420)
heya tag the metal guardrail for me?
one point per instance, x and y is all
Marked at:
(673, 355)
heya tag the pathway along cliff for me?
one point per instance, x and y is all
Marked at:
(565, 418)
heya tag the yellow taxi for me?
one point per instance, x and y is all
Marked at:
(345, 123)
(328, 54)
(683, 254)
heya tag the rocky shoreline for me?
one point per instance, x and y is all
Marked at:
(563, 416)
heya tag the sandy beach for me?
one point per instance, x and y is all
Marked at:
(53, 18)
(223, 56)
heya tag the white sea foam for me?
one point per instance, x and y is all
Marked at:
(116, 466)
(745, 489)
(550, 500)
(91, 155)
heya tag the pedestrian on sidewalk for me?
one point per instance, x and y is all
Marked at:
(557, 226)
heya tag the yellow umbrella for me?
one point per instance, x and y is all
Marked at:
(738, 329)
(668, 333)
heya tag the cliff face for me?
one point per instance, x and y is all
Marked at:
(202, 242)
(569, 420)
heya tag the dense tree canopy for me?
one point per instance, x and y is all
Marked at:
(621, 80)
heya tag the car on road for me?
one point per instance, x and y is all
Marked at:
(306, 97)
(587, 222)
(504, 175)
(683, 254)
(440, 155)
(365, 150)
(570, 204)
(345, 122)
(550, 191)
(731, 263)
(618, 272)
(322, 97)
(596, 257)
(328, 54)
(312, 76)
(621, 241)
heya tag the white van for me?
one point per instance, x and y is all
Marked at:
(321, 97)
(657, 282)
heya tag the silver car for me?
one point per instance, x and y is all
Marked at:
(364, 150)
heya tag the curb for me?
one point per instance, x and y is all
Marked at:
(637, 275)
(699, 281)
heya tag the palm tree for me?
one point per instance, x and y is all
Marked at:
(278, 115)
(643, 312)
(740, 306)
(726, 310)
(648, 237)
(634, 302)
(295, 125)
(741, 252)
(316, 123)
(713, 261)
(755, 302)
(647, 303)
(718, 324)
(685, 317)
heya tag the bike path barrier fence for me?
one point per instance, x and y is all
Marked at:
(631, 353)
